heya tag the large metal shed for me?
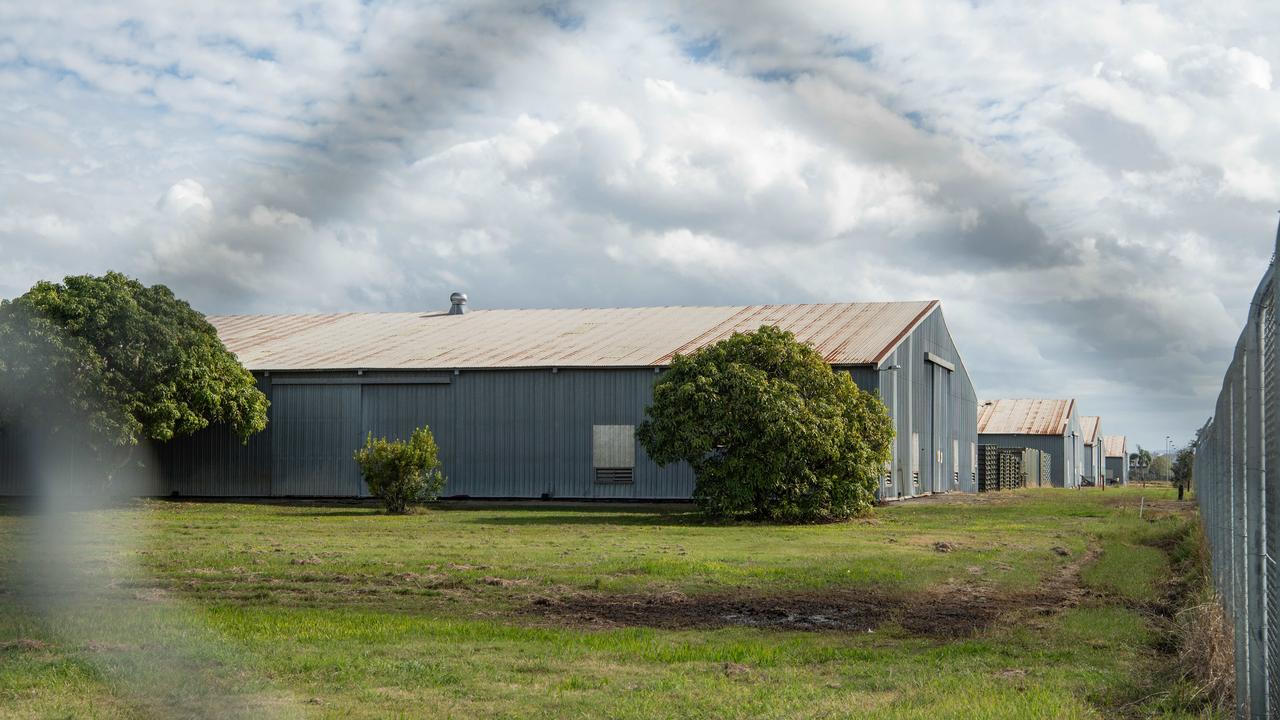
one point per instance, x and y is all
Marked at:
(544, 403)
(1048, 425)
(1115, 450)
(1091, 427)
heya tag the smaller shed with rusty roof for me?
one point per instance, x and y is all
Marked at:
(1051, 426)
(544, 403)
(1115, 452)
(1091, 426)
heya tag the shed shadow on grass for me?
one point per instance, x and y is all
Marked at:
(530, 517)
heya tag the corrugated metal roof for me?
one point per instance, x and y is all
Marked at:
(845, 334)
(1114, 446)
(1089, 426)
(1025, 416)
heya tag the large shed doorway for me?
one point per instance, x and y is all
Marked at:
(315, 431)
(941, 435)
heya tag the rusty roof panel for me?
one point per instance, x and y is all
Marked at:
(1114, 446)
(845, 334)
(1024, 416)
(1089, 427)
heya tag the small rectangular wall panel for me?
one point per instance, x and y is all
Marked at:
(613, 446)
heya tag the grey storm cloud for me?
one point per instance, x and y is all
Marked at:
(1088, 190)
(1112, 142)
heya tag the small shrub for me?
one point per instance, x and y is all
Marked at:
(402, 473)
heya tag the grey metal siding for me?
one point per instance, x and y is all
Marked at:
(1094, 467)
(1075, 450)
(940, 448)
(910, 394)
(501, 433)
(317, 430)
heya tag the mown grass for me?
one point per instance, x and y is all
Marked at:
(311, 611)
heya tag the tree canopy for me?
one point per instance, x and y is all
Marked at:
(771, 431)
(126, 361)
(1183, 467)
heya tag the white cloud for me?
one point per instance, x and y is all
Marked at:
(187, 199)
(1088, 186)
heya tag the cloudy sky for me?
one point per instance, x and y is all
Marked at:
(1089, 187)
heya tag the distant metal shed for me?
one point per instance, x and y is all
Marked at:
(1048, 425)
(1091, 427)
(544, 403)
(1116, 458)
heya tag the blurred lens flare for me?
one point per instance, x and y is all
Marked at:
(75, 575)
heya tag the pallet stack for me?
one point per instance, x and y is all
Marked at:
(998, 468)
(1011, 476)
(1011, 468)
(988, 468)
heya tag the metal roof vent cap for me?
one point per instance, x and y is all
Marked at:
(457, 303)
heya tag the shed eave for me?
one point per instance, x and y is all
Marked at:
(468, 368)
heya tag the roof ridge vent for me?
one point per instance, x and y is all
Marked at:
(457, 303)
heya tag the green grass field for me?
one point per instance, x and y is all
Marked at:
(1030, 604)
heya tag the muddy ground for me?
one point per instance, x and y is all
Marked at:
(953, 612)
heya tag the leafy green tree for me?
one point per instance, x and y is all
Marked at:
(402, 473)
(1144, 457)
(1183, 465)
(120, 362)
(1140, 461)
(772, 432)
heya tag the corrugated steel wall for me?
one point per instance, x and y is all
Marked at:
(317, 430)
(919, 400)
(1075, 454)
(502, 433)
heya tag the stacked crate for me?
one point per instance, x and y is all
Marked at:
(988, 468)
(1011, 468)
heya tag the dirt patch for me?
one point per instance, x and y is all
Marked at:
(951, 612)
(23, 644)
(1156, 508)
(504, 582)
(932, 615)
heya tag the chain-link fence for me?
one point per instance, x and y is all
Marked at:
(1237, 480)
